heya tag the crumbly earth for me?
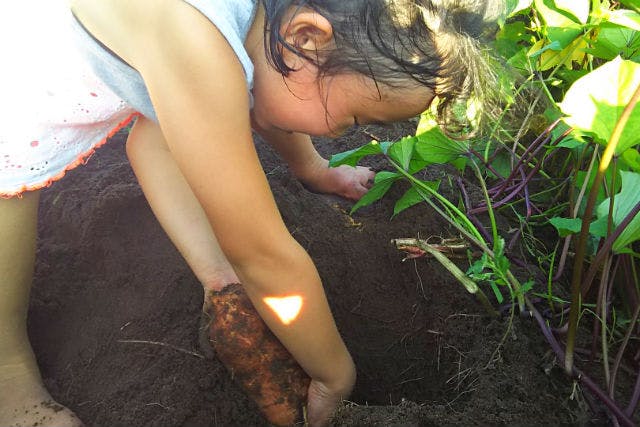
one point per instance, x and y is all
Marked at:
(115, 312)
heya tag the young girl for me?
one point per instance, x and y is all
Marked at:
(198, 76)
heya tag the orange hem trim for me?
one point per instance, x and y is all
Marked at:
(81, 160)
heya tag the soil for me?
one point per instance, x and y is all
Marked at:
(114, 314)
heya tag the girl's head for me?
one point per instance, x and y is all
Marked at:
(398, 44)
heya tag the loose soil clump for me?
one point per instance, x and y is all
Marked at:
(115, 312)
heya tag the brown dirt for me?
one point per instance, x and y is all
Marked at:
(426, 355)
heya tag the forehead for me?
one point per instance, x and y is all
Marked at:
(371, 102)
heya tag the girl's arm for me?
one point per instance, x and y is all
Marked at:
(198, 89)
(313, 170)
(175, 206)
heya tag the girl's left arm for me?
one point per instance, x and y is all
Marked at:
(312, 169)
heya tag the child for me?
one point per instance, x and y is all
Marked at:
(198, 76)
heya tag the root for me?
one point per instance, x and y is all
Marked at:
(163, 344)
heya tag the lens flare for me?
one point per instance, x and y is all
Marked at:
(286, 308)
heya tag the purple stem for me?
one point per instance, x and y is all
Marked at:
(606, 247)
(621, 350)
(577, 374)
(511, 195)
(539, 141)
(526, 196)
(563, 258)
(633, 403)
(631, 290)
(467, 203)
(513, 240)
(485, 164)
(463, 190)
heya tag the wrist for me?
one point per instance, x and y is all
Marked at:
(343, 378)
(308, 170)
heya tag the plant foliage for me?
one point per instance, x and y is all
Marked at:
(571, 164)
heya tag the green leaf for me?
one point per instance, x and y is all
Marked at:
(501, 163)
(555, 45)
(561, 37)
(402, 151)
(599, 227)
(631, 4)
(623, 203)
(527, 286)
(582, 175)
(478, 266)
(614, 40)
(382, 183)
(577, 9)
(563, 13)
(427, 122)
(496, 292)
(410, 198)
(515, 6)
(566, 226)
(625, 18)
(501, 262)
(570, 143)
(509, 38)
(520, 60)
(416, 165)
(352, 157)
(631, 158)
(595, 102)
(433, 146)
(568, 77)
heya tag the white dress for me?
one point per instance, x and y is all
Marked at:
(54, 111)
(54, 108)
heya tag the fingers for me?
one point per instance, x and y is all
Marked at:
(361, 180)
(321, 404)
(345, 181)
(356, 192)
(366, 176)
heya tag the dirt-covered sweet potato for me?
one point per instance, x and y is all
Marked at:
(254, 356)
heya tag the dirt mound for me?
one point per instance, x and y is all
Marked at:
(115, 311)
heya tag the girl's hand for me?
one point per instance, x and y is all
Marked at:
(322, 402)
(346, 181)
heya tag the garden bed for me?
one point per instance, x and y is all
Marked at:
(115, 312)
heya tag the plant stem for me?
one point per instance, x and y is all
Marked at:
(586, 220)
(492, 218)
(469, 284)
(603, 319)
(470, 233)
(606, 248)
(622, 416)
(623, 346)
(469, 230)
(533, 147)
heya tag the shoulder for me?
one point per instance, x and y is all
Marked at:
(137, 30)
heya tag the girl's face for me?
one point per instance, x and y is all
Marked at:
(306, 103)
(328, 106)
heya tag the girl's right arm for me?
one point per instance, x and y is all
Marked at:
(198, 89)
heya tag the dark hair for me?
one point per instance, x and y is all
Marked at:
(399, 43)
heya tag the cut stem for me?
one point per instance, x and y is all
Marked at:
(460, 275)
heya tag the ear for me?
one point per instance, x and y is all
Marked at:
(307, 30)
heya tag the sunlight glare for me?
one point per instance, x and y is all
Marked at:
(286, 308)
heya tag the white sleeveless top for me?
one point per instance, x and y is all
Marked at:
(233, 18)
(64, 93)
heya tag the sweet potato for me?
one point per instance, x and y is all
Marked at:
(254, 356)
